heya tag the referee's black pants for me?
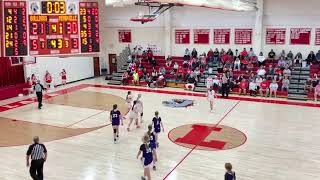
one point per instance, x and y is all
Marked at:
(39, 97)
(225, 90)
(36, 169)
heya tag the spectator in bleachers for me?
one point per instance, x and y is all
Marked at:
(272, 55)
(287, 72)
(253, 88)
(311, 58)
(209, 82)
(230, 53)
(197, 73)
(298, 59)
(194, 53)
(261, 59)
(264, 88)
(243, 54)
(185, 63)
(203, 60)
(150, 54)
(273, 88)
(169, 61)
(308, 86)
(136, 79)
(195, 64)
(249, 67)
(161, 81)
(180, 74)
(283, 54)
(148, 80)
(154, 75)
(236, 54)
(271, 72)
(261, 72)
(216, 55)
(210, 55)
(162, 70)
(258, 82)
(175, 67)
(153, 62)
(251, 53)
(237, 64)
(186, 55)
(244, 63)
(225, 83)
(285, 84)
(290, 56)
(145, 73)
(318, 56)
(191, 81)
(252, 77)
(243, 86)
(316, 92)
(282, 63)
(125, 78)
(216, 82)
(315, 80)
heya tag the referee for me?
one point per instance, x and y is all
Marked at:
(39, 88)
(38, 153)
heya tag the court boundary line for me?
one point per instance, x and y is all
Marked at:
(217, 124)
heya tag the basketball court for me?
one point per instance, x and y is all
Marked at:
(261, 139)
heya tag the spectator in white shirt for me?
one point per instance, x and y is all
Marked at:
(258, 82)
(261, 59)
(285, 84)
(237, 64)
(287, 72)
(273, 88)
(261, 72)
(251, 53)
(253, 88)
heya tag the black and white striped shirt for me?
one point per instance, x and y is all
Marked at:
(36, 151)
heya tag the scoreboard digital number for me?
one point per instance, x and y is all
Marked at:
(53, 28)
(89, 27)
(15, 28)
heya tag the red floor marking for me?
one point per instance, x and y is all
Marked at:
(200, 141)
(85, 119)
(270, 101)
(213, 144)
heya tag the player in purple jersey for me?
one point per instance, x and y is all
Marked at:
(147, 157)
(229, 175)
(115, 118)
(157, 125)
(152, 141)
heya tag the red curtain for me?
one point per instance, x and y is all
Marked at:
(10, 75)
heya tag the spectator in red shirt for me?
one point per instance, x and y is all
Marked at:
(210, 55)
(244, 54)
(264, 88)
(125, 78)
(180, 74)
(243, 86)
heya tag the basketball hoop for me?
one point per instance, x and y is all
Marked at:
(144, 18)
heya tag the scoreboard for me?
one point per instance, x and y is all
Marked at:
(49, 28)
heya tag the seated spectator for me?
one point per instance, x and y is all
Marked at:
(216, 55)
(251, 53)
(283, 54)
(153, 62)
(185, 63)
(311, 58)
(169, 61)
(308, 86)
(161, 81)
(154, 75)
(253, 88)
(149, 80)
(243, 87)
(249, 67)
(282, 63)
(316, 92)
(244, 63)
(203, 60)
(197, 73)
(261, 59)
(318, 56)
(264, 88)
(175, 67)
(271, 72)
(273, 88)
(290, 56)
(287, 72)
(210, 55)
(195, 64)
(298, 59)
(261, 71)
(187, 55)
(243, 54)
(209, 82)
(180, 74)
(237, 64)
(162, 70)
(145, 73)
(140, 73)
(216, 82)
(289, 62)
(272, 55)
(285, 84)
(258, 82)
(136, 79)
(191, 81)
(230, 53)
(125, 78)
(149, 54)
(252, 77)
(315, 80)
(194, 53)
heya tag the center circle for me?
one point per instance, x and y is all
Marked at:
(207, 137)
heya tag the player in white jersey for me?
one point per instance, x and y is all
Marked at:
(129, 99)
(211, 95)
(133, 115)
(140, 107)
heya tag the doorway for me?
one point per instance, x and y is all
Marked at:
(96, 66)
(112, 63)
